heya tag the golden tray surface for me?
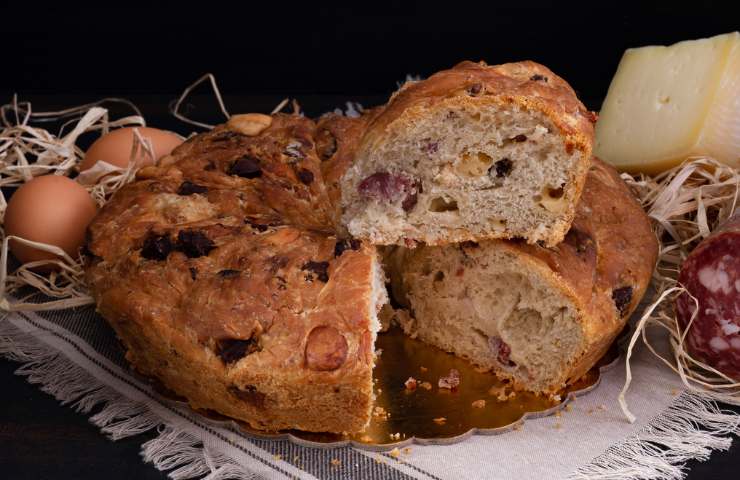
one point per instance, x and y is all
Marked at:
(431, 415)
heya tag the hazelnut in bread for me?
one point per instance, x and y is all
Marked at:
(470, 153)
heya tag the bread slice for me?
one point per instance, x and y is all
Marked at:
(539, 316)
(471, 153)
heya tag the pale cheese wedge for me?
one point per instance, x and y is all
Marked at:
(666, 104)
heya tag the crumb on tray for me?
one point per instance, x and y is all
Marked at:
(380, 413)
(451, 381)
(502, 393)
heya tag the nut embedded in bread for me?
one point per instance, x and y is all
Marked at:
(540, 316)
(470, 153)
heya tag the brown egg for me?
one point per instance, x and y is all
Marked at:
(115, 146)
(49, 209)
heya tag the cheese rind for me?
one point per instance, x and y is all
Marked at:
(669, 103)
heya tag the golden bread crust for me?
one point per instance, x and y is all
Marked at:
(526, 83)
(221, 273)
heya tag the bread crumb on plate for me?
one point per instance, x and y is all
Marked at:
(451, 381)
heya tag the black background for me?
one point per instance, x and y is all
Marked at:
(59, 55)
(273, 47)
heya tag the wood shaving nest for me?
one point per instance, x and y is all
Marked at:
(685, 204)
(28, 151)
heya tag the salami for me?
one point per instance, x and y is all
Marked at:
(711, 273)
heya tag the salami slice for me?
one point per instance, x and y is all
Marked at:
(711, 273)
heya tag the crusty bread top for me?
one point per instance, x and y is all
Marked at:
(230, 242)
(526, 84)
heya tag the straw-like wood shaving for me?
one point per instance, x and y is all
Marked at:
(686, 204)
(27, 151)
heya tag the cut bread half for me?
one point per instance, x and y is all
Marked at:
(538, 316)
(497, 308)
(471, 153)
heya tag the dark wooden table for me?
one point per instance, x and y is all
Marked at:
(40, 439)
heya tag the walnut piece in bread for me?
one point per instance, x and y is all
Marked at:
(470, 153)
(539, 316)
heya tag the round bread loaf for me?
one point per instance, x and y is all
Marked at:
(228, 274)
